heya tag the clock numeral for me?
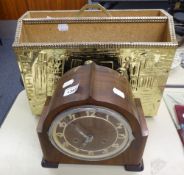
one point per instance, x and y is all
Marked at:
(59, 134)
(91, 153)
(90, 113)
(76, 149)
(105, 151)
(119, 126)
(107, 117)
(62, 124)
(115, 145)
(121, 136)
(65, 144)
(72, 117)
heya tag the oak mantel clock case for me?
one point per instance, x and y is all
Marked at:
(92, 118)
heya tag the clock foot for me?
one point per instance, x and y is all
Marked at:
(47, 164)
(138, 167)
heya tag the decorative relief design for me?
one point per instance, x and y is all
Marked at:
(40, 70)
(146, 69)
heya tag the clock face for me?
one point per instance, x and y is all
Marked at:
(90, 133)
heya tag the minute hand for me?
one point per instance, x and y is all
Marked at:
(81, 132)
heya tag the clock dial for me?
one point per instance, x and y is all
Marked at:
(90, 133)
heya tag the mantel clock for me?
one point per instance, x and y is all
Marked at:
(92, 118)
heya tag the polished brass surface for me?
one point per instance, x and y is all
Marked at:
(146, 69)
(40, 70)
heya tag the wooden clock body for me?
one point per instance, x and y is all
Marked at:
(96, 84)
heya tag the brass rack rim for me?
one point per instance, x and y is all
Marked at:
(95, 45)
(93, 19)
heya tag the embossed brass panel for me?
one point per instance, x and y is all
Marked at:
(145, 63)
(147, 70)
(40, 70)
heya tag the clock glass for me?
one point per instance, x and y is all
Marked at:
(90, 133)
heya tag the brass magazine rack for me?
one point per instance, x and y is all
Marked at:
(139, 44)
